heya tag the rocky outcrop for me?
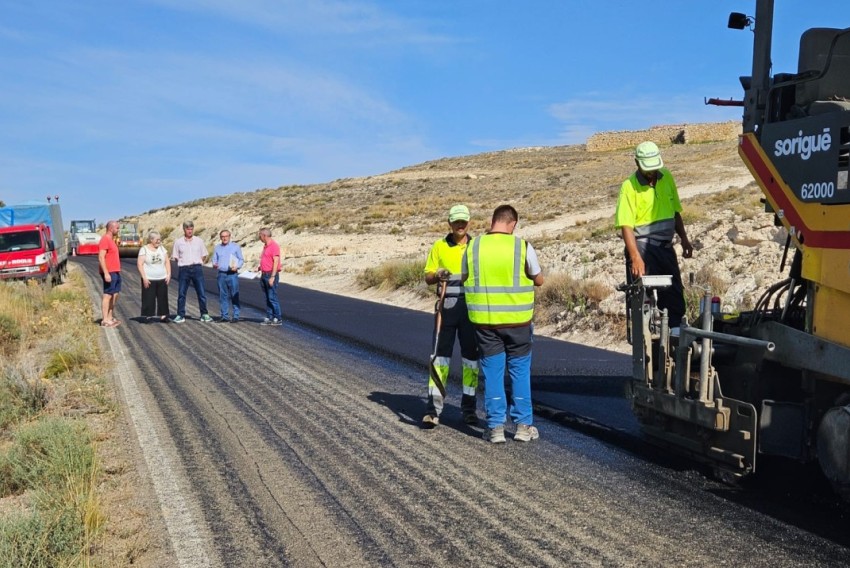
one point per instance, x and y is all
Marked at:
(665, 135)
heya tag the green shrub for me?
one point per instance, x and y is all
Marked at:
(45, 455)
(20, 396)
(65, 361)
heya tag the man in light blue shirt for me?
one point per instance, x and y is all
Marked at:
(227, 259)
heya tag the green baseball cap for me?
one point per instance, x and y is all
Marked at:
(648, 156)
(458, 213)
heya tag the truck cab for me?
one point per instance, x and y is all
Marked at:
(27, 251)
(83, 237)
(32, 242)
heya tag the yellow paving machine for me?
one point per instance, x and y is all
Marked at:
(774, 380)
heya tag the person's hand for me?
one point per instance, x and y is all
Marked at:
(638, 267)
(107, 277)
(167, 279)
(442, 274)
(687, 248)
(146, 282)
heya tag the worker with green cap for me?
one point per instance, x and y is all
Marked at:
(649, 216)
(444, 267)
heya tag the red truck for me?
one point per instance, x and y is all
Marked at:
(32, 243)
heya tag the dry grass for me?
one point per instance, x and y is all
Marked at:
(541, 182)
(48, 459)
(395, 274)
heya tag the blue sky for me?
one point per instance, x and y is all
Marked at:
(121, 106)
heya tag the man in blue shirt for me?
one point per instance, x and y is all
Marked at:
(227, 259)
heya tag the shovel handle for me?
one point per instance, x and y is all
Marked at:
(438, 322)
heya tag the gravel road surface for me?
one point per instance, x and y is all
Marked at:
(280, 446)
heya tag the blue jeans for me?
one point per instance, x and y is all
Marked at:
(228, 293)
(194, 274)
(270, 290)
(498, 347)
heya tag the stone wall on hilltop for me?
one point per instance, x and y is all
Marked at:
(665, 135)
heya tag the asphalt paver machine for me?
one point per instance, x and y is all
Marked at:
(774, 380)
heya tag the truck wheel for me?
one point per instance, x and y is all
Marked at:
(833, 445)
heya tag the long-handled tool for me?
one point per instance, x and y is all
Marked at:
(438, 321)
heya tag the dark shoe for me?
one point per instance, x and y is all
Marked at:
(469, 417)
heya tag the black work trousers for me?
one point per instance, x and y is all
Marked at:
(662, 260)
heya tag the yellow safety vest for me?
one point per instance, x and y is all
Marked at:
(498, 292)
(650, 211)
(446, 254)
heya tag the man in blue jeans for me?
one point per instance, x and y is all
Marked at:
(190, 252)
(270, 267)
(499, 274)
(227, 259)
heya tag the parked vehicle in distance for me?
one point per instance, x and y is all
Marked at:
(128, 239)
(32, 242)
(83, 238)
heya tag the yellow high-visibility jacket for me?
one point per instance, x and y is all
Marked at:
(498, 291)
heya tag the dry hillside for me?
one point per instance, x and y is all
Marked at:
(331, 232)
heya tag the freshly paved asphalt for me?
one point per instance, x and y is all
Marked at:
(569, 381)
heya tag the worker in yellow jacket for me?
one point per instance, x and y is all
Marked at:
(500, 272)
(444, 265)
(648, 216)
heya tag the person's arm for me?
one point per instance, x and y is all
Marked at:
(687, 248)
(101, 258)
(532, 266)
(167, 264)
(216, 256)
(432, 266)
(240, 260)
(638, 267)
(140, 264)
(206, 253)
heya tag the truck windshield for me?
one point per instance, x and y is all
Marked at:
(25, 240)
(82, 227)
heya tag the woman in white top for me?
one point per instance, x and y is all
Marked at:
(155, 268)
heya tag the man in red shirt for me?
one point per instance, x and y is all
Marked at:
(110, 271)
(269, 271)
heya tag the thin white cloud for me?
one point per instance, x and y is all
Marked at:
(368, 21)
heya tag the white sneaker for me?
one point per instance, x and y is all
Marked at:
(526, 433)
(495, 435)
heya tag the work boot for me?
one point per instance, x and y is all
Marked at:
(495, 435)
(467, 407)
(526, 433)
(430, 421)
